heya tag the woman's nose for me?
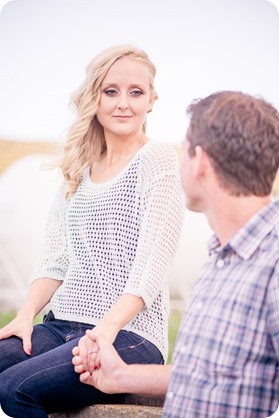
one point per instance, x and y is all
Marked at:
(122, 103)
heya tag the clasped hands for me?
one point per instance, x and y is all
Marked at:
(86, 355)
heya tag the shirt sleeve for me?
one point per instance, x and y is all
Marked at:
(53, 260)
(160, 231)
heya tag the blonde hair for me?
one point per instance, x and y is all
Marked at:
(86, 140)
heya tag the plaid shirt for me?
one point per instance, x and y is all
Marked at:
(226, 360)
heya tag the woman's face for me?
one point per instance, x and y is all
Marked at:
(125, 98)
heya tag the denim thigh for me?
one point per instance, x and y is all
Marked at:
(134, 349)
(46, 382)
(51, 334)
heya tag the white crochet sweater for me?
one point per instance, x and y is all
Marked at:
(117, 237)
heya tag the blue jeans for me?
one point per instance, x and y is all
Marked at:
(45, 382)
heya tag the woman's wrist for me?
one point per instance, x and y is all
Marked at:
(107, 329)
(28, 313)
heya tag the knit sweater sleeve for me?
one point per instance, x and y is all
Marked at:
(54, 259)
(163, 213)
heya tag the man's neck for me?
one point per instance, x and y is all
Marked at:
(230, 213)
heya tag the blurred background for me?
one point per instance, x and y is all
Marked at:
(198, 46)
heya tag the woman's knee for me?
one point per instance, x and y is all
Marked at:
(7, 393)
(11, 353)
(18, 392)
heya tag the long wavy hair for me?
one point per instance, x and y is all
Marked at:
(86, 141)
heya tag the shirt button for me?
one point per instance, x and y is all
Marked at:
(183, 349)
(170, 395)
(199, 306)
(220, 263)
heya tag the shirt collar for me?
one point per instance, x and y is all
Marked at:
(249, 237)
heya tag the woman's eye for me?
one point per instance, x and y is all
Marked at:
(110, 92)
(136, 93)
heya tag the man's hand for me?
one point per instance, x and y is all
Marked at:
(105, 376)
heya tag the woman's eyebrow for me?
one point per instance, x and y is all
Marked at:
(130, 86)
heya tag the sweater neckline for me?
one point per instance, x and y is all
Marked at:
(92, 184)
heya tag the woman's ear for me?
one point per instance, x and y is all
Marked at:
(153, 98)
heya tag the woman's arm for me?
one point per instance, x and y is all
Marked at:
(48, 273)
(125, 309)
(40, 293)
(162, 206)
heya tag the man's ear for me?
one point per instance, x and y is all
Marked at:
(201, 161)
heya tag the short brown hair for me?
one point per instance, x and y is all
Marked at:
(240, 134)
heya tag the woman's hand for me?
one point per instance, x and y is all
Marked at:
(40, 293)
(21, 327)
(87, 352)
(88, 348)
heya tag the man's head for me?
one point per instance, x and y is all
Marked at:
(240, 135)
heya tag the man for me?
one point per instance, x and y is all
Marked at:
(226, 359)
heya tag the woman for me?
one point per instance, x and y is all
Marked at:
(111, 237)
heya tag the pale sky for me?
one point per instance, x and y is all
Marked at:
(198, 46)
